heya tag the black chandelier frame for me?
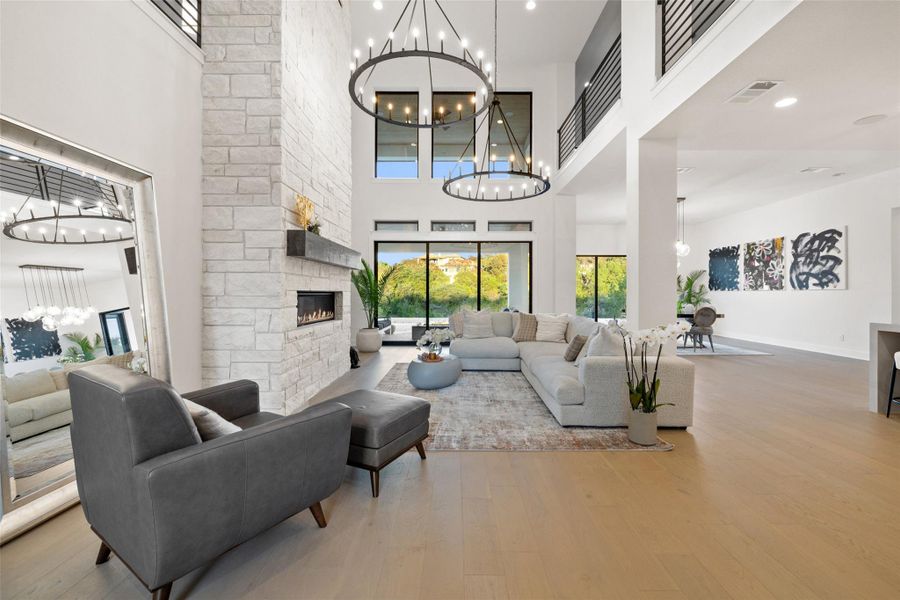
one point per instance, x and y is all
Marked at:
(387, 53)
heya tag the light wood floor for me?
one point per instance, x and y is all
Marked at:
(786, 487)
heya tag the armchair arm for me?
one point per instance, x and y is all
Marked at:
(231, 400)
(198, 502)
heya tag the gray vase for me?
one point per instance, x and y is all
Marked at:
(642, 428)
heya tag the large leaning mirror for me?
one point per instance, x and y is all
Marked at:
(80, 285)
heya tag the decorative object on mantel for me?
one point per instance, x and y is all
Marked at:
(643, 383)
(308, 245)
(362, 86)
(432, 341)
(521, 181)
(354, 358)
(61, 206)
(371, 291)
(57, 296)
(306, 214)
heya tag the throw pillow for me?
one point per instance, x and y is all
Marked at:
(552, 328)
(477, 325)
(210, 424)
(607, 342)
(574, 348)
(526, 328)
(584, 349)
(456, 322)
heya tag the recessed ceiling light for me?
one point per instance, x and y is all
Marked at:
(838, 174)
(815, 169)
(870, 119)
(587, 84)
(13, 157)
(785, 102)
(530, 5)
(377, 5)
(685, 170)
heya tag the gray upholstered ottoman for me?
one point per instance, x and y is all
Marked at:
(384, 427)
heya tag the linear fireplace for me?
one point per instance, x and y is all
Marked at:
(317, 307)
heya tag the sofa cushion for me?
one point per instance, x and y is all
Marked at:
(607, 342)
(69, 367)
(28, 385)
(477, 325)
(552, 328)
(502, 323)
(580, 326)
(60, 379)
(49, 404)
(528, 351)
(19, 413)
(558, 377)
(574, 348)
(456, 322)
(525, 328)
(492, 347)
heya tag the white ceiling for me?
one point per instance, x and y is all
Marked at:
(840, 59)
(555, 31)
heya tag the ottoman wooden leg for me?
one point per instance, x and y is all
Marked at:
(373, 478)
(421, 448)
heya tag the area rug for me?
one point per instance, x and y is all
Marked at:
(40, 452)
(499, 410)
(721, 350)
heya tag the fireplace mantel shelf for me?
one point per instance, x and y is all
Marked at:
(308, 245)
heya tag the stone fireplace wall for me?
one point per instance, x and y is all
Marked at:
(276, 123)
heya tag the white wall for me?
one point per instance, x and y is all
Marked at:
(105, 295)
(895, 265)
(600, 238)
(423, 199)
(830, 321)
(114, 77)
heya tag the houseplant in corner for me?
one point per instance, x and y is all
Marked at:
(642, 379)
(690, 298)
(371, 291)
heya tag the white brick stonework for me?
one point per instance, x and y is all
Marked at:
(276, 122)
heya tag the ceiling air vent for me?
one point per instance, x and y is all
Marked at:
(753, 91)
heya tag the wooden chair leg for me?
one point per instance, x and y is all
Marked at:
(318, 515)
(103, 554)
(421, 448)
(162, 593)
(374, 480)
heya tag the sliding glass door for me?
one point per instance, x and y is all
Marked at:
(433, 280)
(600, 286)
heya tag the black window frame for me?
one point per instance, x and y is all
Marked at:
(529, 223)
(467, 222)
(434, 130)
(123, 327)
(415, 129)
(597, 258)
(169, 8)
(427, 263)
(530, 154)
(397, 222)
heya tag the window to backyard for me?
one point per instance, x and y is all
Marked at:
(600, 286)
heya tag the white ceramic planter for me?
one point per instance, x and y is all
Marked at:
(368, 339)
(642, 428)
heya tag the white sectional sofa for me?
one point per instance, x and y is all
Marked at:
(594, 393)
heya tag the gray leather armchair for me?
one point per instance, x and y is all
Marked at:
(166, 503)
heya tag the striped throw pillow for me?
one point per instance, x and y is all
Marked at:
(574, 347)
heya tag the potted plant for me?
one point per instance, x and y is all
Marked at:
(690, 298)
(371, 292)
(84, 350)
(643, 383)
(431, 341)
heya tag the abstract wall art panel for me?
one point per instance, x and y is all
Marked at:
(724, 268)
(819, 260)
(764, 264)
(29, 340)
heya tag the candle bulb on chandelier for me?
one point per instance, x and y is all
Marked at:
(441, 37)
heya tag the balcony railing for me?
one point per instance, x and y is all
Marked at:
(683, 22)
(185, 14)
(603, 89)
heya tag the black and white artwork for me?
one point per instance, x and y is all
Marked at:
(724, 268)
(764, 264)
(819, 260)
(29, 340)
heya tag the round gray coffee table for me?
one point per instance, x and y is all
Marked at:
(433, 375)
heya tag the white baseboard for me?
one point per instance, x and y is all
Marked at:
(795, 345)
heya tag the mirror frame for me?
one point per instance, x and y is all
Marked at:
(21, 514)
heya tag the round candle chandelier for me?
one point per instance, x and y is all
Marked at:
(413, 44)
(492, 177)
(56, 296)
(56, 206)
